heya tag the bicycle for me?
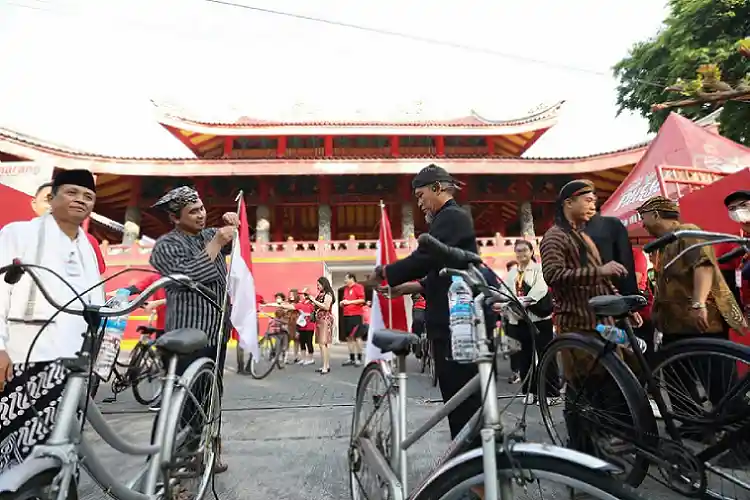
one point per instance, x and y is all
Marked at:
(51, 468)
(143, 366)
(636, 439)
(271, 348)
(513, 463)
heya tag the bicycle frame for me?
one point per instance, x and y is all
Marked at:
(65, 443)
(488, 417)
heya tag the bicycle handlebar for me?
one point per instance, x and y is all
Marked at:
(453, 255)
(707, 237)
(15, 270)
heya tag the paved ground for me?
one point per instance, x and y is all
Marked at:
(286, 437)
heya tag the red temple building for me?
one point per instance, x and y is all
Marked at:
(313, 186)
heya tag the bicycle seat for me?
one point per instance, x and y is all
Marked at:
(182, 341)
(394, 341)
(617, 306)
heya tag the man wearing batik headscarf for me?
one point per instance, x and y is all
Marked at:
(192, 249)
(574, 271)
(692, 299)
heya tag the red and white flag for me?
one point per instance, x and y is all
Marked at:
(385, 313)
(242, 287)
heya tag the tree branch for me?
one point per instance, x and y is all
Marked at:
(715, 97)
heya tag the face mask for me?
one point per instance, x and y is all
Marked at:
(740, 214)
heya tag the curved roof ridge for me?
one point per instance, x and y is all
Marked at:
(544, 113)
(473, 118)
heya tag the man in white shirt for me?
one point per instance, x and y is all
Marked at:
(35, 377)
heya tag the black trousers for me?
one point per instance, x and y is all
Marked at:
(525, 359)
(306, 341)
(452, 377)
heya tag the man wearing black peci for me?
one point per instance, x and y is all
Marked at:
(449, 223)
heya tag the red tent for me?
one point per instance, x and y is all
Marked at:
(682, 154)
(16, 205)
(705, 207)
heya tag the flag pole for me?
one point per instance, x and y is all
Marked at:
(225, 301)
(219, 370)
(382, 250)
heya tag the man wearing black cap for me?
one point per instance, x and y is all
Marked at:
(434, 189)
(56, 241)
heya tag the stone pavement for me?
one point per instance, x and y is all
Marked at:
(285, 437)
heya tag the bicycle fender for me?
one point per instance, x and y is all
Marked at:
(17, 476)
(531, 449)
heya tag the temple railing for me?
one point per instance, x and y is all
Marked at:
(325, 249)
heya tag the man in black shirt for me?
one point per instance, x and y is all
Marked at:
(434, 189)
(612, 241)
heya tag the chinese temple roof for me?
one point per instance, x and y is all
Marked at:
(305, 119)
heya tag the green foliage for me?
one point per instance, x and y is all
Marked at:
(698, 34)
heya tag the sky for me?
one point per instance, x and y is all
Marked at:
(83, 73)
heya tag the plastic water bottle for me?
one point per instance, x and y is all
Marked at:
(461, 304)
(113, 333)
(619, 336)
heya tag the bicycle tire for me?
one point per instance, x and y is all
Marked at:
(147, 352)
(633, 392)
(373, 370)
(471, 472)
(202, 367)
(433, 368)
(34, 488)
(276, 351)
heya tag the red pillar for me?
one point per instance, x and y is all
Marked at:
(394, 146)
(490, 146)
(281, 147)
(328, 146)
(228, 147)
(440, 145)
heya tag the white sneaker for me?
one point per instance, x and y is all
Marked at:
(300, 362)
(358, 362)
(308, 362)
(530, 399)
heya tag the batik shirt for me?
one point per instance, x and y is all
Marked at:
(674, 289)
(180, 253)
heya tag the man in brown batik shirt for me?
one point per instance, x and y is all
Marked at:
(691, 299)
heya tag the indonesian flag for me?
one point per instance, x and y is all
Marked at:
(242, 288)
(385, 313)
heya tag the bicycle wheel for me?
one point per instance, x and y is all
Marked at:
(146, 372)
(270, 349)
(694, 377)
(373, 389)
(457, 482)
(192, 440)
(605, 405)
(424, 355)
(431, 367)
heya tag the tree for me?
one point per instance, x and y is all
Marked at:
(697, 52)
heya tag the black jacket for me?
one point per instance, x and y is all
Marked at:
(612, 240)
(453, 226)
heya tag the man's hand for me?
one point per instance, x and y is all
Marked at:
(6, 369)
(613, 268)
(224, 235)
(149, 307)
(343, 303)
(637, 319)
(700, 317)
(378, 274)
(231, 218)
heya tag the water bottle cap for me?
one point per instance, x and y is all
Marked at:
(456, 279)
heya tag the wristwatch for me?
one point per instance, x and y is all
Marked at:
(698, 305)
